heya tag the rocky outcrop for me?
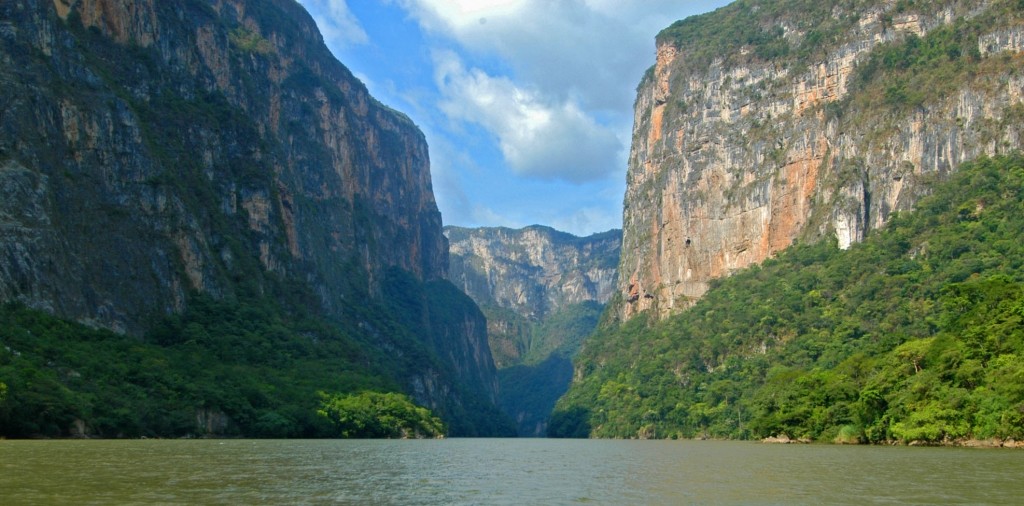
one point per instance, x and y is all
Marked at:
(778, 135)
(152, 149)
(534, 272)
(131, 105)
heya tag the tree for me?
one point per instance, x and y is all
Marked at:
(379, 415)
(914, 334)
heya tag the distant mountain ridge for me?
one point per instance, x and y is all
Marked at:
(542, 292)
(534, 271)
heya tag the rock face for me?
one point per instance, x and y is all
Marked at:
(151, 149)
(542, 291)
(535, 272)
(804, 125)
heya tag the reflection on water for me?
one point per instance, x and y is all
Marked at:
(499, 471)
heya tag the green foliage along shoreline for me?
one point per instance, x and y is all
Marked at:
(915, 335)
(223, 368)
(379, 415)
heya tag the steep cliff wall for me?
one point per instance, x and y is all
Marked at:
(522, 277)
(774, 121)
(151, 149)
(142, 115)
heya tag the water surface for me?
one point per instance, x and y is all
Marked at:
(500, 471)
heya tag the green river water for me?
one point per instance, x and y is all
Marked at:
(499, 471)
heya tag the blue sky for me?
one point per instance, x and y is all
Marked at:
(527, 105)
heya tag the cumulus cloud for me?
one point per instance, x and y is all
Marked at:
(591, 50)
(458, 15)
(336, 22)
(560, 106)
(526, 104)
(538, 137)
(587, 220)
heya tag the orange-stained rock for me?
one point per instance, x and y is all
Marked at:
(733, 162)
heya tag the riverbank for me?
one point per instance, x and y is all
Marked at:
(961, 443)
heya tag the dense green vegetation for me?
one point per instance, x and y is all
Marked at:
(915, 334)
(917, 70)
(914, 71)
(440, 314)
(244, 361)
(562, 332)
(755, 24)
(379, 415)
(530, 387)
(529, 392)
(249, 367)
(749, 30)
(271, 330)
(519, 340)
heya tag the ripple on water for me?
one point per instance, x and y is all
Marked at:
(499, 471)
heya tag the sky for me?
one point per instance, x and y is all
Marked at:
(527, 105)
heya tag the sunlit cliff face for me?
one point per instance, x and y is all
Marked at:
(733, 162)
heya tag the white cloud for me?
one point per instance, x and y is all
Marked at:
(592, 50)
(458, 15)
(545, 85)
(560, 105)
(587, 220)
(538, 137)
(336, 22)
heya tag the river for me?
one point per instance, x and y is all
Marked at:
(499, 471)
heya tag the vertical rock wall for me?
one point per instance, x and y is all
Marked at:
(151, 149)
(145, 114)
(740, 154)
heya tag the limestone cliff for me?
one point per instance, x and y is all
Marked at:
(531, 273)
(772, 121)
(152, 149)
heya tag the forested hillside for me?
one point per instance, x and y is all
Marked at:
(915, 334)
(256, 367)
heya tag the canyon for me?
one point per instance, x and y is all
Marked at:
(542, 292)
